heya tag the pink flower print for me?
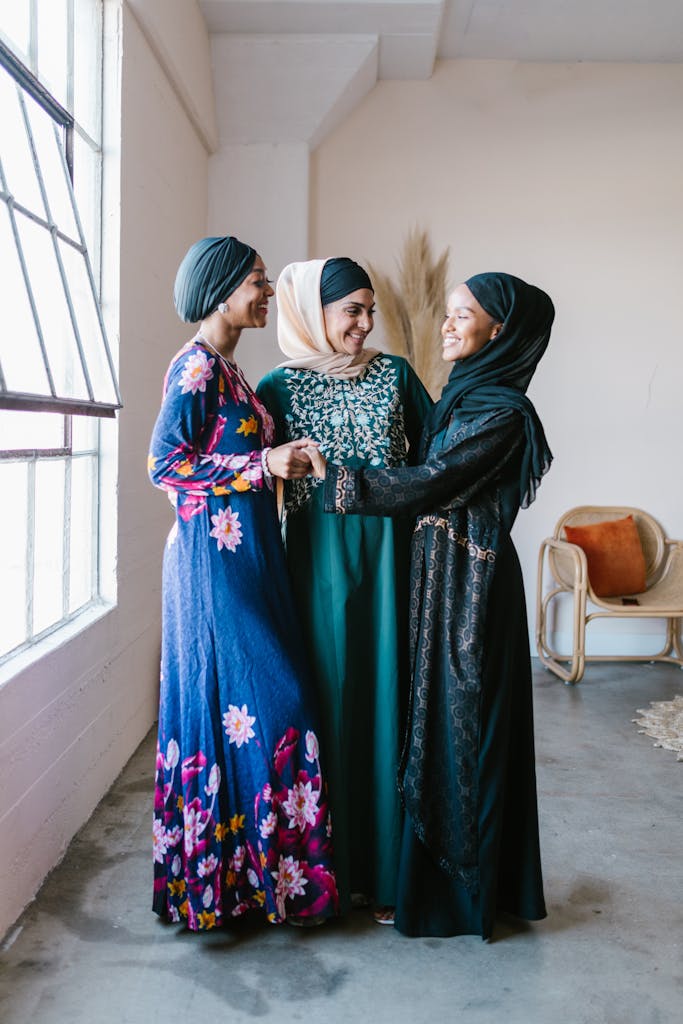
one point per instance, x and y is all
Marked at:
(216, 434)
(191, 506)
(159, 840)
(254, 473)
(237, 860)
(196, 372)
(290, 881)
(192, 766)
(268, 825)
(226, 529)
(195, 821)
(207, 866)
(301, 805)
(234, 462)
(267, 793)
(284, 749)
(238, 725)
(214, 781)
(176, 865)
(252, 878)
(267, 423)
(173, 913)
(240, 909)
(172, 755)
(207, 897)
(173, 836)
(312, 748)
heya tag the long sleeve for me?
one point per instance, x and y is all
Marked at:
(416, 407)
(183, 458)
(271, 392)
(449, 478)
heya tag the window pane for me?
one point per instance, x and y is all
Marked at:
(89, 328)
(48, 543)
(53, 311)
(84, 433)
(23, 430)
(52, 47)
(17, 159)
(13, 530)
(20, 356)
(16, 24)
(48, 143)
(87, 175)
(81, 588)
(87, 56)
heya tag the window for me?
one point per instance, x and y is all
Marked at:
(57, 375)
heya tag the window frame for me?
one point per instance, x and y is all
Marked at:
(90, 576)
(28, 401)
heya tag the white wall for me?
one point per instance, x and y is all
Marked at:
(259, 192)
(71, 720)
(568, 175)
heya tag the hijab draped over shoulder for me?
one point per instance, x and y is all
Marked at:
(498, 375)
(210, 271)
(300, 323)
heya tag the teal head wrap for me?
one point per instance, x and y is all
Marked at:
(340, 277)
(211, 270)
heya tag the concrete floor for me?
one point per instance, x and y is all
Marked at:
(90, 950)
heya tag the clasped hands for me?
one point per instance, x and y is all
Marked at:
(297, 459)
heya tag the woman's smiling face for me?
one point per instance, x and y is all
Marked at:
(467, 327)
(348, 321)
(248, 304)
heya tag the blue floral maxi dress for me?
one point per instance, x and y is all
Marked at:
(240, 812)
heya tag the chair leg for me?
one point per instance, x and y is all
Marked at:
(550, 658)
(675, 633)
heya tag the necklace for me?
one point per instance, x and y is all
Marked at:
(205, 341)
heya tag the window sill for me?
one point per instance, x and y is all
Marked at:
(24, 657)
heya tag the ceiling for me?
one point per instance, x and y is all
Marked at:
(291, 70)
(413, 33)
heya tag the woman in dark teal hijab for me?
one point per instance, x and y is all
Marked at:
(241, 820)
(210, 272)
(470, 843)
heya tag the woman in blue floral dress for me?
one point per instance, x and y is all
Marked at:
(241, 819)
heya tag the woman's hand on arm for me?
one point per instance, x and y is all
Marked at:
(318, 462)
(293, 460)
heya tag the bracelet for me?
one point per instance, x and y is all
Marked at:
(267, 475)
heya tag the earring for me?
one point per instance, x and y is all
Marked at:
(222, 307)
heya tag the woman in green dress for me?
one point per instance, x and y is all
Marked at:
(470, 846)
(350, 575)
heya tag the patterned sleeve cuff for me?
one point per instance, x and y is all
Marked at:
(341, 489)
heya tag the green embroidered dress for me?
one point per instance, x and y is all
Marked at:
(350, 576)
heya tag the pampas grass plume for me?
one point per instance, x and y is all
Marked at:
(412, 309)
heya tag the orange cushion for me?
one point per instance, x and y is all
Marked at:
(616, 564)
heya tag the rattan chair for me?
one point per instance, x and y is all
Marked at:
(662, 598)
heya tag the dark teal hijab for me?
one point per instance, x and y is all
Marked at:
(340, 277)
(211, 270)
(497, 376)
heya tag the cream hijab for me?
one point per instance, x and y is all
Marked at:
(301, 327)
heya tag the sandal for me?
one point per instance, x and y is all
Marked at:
(383, 915)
